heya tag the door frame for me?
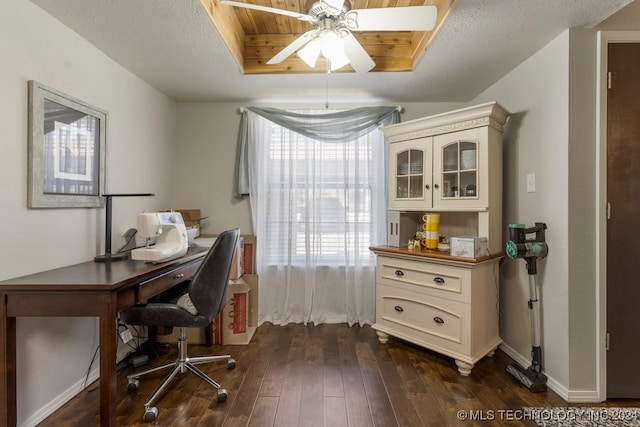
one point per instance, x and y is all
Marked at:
(603, 40)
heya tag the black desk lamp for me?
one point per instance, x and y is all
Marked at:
(108, 256)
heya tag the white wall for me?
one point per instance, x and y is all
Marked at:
(54, 354)
(207, 140)
(537, 95)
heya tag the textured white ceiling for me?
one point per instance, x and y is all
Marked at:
(173, 46)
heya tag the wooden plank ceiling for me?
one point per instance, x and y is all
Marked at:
(253, 37)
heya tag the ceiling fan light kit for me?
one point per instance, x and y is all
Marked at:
(310, 53)
(334, 21)
(333, 50)
(330, 45)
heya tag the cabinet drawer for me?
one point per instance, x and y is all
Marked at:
(441, 281)
(169, 279)
(436, 322)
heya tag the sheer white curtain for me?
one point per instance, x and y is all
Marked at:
(316, 207)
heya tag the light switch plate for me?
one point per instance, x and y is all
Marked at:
(531, 183)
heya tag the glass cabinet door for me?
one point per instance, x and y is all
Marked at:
(410, 169)
(410, 174)
(459, 170)
(468, 169)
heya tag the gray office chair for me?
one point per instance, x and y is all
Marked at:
(191, 304)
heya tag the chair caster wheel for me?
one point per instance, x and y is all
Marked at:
(222, 395)
(150, 414)
(133, 385)
(231, 364)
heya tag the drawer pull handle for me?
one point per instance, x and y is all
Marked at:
(179, 276)
(439, 280)
(399, 273)
(438, 320)
(398, 309)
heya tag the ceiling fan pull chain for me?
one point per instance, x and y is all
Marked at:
(326, 93)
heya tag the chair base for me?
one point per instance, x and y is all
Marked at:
(183, 364)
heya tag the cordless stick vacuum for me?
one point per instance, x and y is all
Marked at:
(531, 250)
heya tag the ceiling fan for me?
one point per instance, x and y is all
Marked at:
(334, 22)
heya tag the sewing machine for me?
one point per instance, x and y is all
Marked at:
(168, 231)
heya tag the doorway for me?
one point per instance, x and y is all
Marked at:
(619, 223)
(623, 226)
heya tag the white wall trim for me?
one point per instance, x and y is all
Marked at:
(582, 396)
(517, 357)
(554, 385)
(60, 400)
(604, 38)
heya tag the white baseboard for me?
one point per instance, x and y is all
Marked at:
(584, 396)
(60, 400)
(552, 383)
(520, 359)
(571, 396)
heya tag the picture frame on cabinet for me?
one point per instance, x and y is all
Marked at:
(66, 150)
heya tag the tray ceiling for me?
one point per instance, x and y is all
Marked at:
(173, 46)
(253, 37)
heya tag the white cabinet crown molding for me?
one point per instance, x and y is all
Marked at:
(489, 114)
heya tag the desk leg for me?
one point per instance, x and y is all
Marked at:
(108, 368)
(7, 366)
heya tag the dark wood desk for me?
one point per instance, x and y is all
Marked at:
(88, 289)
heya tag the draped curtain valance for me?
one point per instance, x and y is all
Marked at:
(338, 126)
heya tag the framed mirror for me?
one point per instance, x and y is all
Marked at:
(67, 150)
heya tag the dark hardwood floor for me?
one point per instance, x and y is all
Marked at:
(326, 375)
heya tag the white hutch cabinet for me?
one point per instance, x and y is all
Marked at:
(449, 163)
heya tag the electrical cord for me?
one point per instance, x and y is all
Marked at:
(139, 339)
(126, 247)
(135, 347)
(126, 244)
(85, 386)
(86, 379)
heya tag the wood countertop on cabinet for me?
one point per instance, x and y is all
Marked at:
(402, 251)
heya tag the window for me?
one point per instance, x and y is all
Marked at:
(320, 198)
(316, 209)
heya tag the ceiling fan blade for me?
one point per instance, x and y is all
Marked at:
(292, 47)
(360, 60)
(410, 18)
(300, 16)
